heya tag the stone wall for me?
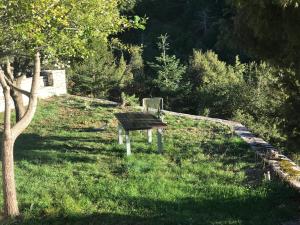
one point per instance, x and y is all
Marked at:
(279, 164)
(52, 83)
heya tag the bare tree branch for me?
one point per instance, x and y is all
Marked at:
(2, 79)
(21, 125)
(27, 93)
(9, 70)
(6, 93)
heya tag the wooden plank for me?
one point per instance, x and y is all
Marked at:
(139, 121)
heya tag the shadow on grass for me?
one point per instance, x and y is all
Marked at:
(90, 129)
(274, 208)
(89, 105)
(229, 151)
(73, 148)
(55, 149)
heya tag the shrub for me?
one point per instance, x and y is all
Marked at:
(252, 94)
(100, 75)
(216, 82)
(262, 105)
(129, 100)
(136, 65)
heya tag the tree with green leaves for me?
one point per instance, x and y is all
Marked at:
(95, 76)
(169, 70)
(270, 30)
(51, 28)
(214, 84)
(190, 24)
(56, 29)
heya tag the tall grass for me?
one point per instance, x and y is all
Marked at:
(68, 174)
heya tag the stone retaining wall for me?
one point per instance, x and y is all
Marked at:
(52, 83)
(279, 164)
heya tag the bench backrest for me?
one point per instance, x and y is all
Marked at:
(153, 106)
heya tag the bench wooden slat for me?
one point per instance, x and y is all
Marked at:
(139, 121)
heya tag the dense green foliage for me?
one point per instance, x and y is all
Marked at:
(230, 59)
(69, 174)
(270, 30)
(99, 75)
(189, 24)
(216, 84)
(250, 93)
(233, 59)
(57, 27)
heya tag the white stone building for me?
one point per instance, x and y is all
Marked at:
(52, 83)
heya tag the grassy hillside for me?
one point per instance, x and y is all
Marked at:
(68, 174)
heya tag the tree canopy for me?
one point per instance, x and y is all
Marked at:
(270, 30)
(54, 28)
(57, 27)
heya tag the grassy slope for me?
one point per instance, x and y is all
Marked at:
(67, 175)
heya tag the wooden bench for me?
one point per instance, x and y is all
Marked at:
(149, 118)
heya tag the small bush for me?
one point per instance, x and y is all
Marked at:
(101, 75)
(129, 100)
(216, 82)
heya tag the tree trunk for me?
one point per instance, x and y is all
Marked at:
(21, 125)
(9, 186)
(18, 99)
(18, 103)
(10, 134)
(16, 96)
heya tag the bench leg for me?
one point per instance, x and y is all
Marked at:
(128, 147)
(120, 138)
(149, 134)
(160, 140)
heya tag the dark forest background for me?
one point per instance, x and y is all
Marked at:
(233, 59)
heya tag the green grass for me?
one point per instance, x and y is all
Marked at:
(68, 175)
